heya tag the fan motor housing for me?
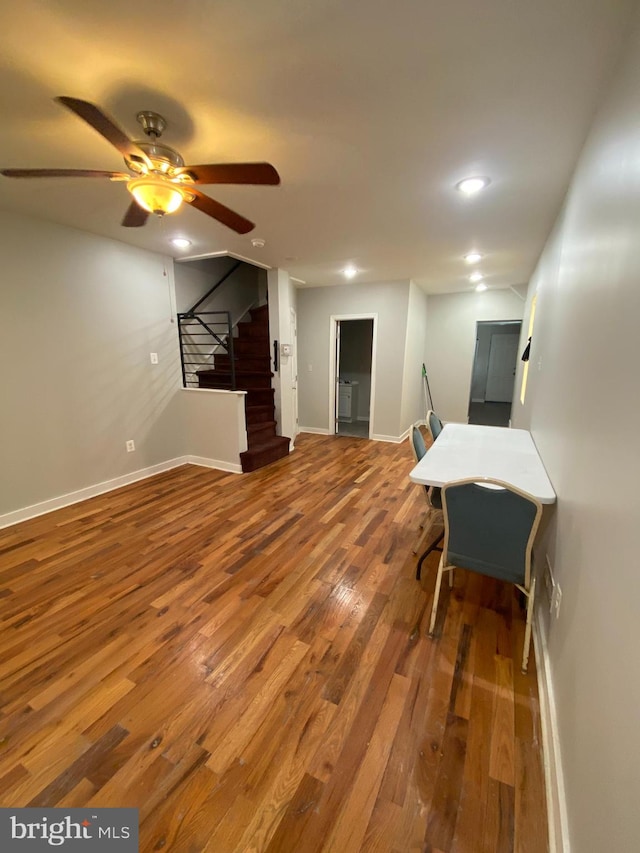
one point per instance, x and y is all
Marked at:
(162, 156)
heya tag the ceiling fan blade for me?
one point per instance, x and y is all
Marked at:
(135, 216)
(218, 211)
(233, 173)
(105, 126)
(61, 173)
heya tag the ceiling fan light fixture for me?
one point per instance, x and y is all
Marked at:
(156, 195)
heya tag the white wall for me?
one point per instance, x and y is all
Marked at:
(316, 306)
(583, 407)
(451, 341)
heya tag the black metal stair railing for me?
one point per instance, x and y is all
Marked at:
(202, 336)
(214, 327)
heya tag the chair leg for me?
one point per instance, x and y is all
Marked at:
(527, 632)
(436, 596)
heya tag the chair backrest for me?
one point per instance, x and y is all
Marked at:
(489, 528)
(417, 443)
(434, 424)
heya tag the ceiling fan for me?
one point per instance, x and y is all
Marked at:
(159, 180)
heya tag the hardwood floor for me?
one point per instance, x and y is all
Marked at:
(245, 660)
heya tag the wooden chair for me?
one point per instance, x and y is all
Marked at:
(489, 528)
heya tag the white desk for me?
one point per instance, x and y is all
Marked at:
(467, 450)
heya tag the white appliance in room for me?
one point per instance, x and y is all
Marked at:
(347, 401)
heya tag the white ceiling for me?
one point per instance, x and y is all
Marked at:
(371, 110)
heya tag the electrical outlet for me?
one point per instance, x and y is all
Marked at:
(557, 600)
(130, 445)
(154, 357)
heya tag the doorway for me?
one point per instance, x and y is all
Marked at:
(494, 370)
(352, 381)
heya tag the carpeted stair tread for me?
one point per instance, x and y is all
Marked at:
(264, 453)
(252, 360)
(261, 428)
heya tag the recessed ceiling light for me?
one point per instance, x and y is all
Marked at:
(473, 257)
(349, 272)
(480, 287)
(258, 243)
(471, 186)
(476, 276)
(181, 242)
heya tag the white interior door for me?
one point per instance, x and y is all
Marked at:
(503, 355)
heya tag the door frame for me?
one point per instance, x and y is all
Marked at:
(333, 366)
(476, 331)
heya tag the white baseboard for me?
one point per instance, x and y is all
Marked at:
(392, 439)
(231, 467)
(553, 776)
(61, 501)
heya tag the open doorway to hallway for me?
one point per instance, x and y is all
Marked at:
(494, 370)
(353, 382)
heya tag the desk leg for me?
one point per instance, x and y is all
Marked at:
(433, 547)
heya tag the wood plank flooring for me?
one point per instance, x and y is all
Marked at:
(245, 660)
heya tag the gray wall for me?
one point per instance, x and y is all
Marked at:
(79, 316)
(451, 341)
(413, 398)
(237, 294)
(583, 407)
(316, 305)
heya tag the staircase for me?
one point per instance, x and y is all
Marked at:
(253, 375)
